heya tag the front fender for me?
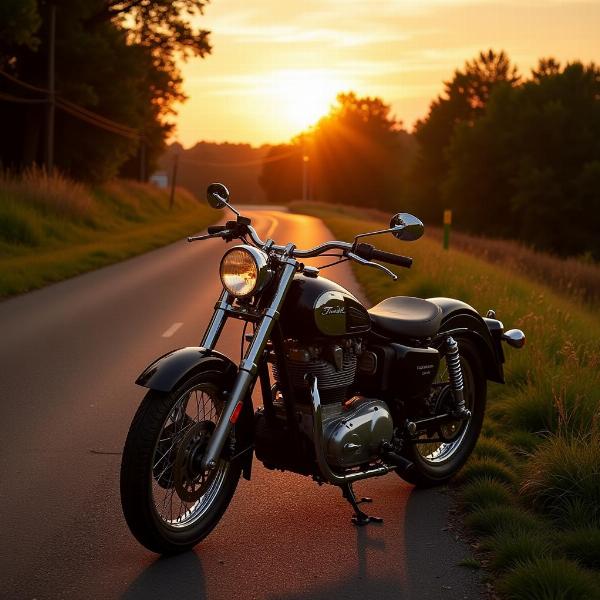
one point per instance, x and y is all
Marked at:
(456, 315)
(166, 372)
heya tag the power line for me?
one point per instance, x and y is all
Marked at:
(75, 110)
(18, 100)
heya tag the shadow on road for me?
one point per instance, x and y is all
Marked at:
(170, 577)
(380, 566)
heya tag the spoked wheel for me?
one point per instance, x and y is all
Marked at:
(437, 462)
(169, 502)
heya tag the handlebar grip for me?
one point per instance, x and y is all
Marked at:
(216, 229)
(370, 253)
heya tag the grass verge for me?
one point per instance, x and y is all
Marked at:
(531, 491)
(52, 228)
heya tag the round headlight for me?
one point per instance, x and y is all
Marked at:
(244, 270)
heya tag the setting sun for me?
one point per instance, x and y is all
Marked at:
(305, 95)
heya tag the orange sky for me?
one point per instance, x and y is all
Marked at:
(276, 65)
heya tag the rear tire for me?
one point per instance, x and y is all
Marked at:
(432, 466)
(147, 480)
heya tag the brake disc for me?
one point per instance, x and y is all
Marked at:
(191, 482)
(167, 449)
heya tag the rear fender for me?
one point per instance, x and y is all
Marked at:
(487, 336)
(167, 372)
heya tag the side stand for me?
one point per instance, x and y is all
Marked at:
(359, 518)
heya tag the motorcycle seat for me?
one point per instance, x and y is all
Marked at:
(404, 316)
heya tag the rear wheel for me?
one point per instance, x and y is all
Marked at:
(169, 502)
(436, 463)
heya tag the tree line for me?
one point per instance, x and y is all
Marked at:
(116, 58)
(512, 156)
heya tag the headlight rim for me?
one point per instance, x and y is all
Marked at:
(263, 273)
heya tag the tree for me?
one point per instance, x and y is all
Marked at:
(464, 99)
(356, 155)
(115, 58)
(530, 166)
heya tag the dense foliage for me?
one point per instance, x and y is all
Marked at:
(512, 156)
(114, 57)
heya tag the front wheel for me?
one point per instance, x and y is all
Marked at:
(169, 503)
(436, 463)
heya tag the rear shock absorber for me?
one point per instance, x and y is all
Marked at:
(455, 377)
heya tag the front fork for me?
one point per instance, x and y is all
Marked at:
(248, 367)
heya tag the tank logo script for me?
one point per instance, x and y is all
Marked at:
(333, 310)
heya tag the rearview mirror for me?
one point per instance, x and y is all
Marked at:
(407, 227)
(217, 195)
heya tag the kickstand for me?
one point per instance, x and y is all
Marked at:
(359, 518)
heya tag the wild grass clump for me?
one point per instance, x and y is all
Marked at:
(491, 519)
(581, 545)
(510, 547)
(53, 193)
(483, 492)
(487, 467)
(562, 479)
(549, 579)
(488, 447)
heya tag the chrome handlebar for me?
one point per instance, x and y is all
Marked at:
(269, 245)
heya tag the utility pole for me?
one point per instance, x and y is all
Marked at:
(142, 152)
(173, 180)
(51, 90)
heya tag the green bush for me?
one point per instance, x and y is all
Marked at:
(17, 226)
(488, 447)
(511, 547)
(477, 468)
(484, 491)
(582, 545)
(562, 479)
(549, 579)
(493, 519)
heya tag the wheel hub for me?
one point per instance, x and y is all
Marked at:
(190, 480)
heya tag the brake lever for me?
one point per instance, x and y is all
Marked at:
(208, 236)
(368, 263)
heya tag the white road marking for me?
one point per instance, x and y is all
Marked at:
(274, 223)
(169, 332)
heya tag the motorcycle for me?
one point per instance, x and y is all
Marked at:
(347, 393)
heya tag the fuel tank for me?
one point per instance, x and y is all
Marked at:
(317, 308)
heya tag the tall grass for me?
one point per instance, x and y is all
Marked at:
(536, 477)
(52, 228)
(578, 278)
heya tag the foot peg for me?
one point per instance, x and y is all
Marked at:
(359, 518)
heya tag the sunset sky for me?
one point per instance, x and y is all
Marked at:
(276, 65)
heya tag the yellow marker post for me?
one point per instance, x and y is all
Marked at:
(447, 223)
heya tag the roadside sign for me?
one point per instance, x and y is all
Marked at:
(447, 223)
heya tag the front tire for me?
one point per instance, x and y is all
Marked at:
(168, 503)
(436, 464)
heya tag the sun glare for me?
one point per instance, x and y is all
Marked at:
(305, 95)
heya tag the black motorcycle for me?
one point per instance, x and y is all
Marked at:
(351, 394)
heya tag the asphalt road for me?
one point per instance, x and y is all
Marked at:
(68, 357)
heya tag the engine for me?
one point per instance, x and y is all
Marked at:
(353, 428)
(333, 364)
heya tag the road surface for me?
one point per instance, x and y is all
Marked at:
(69, 356)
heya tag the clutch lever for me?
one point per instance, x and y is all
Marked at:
(368, 263)
(208, 236)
